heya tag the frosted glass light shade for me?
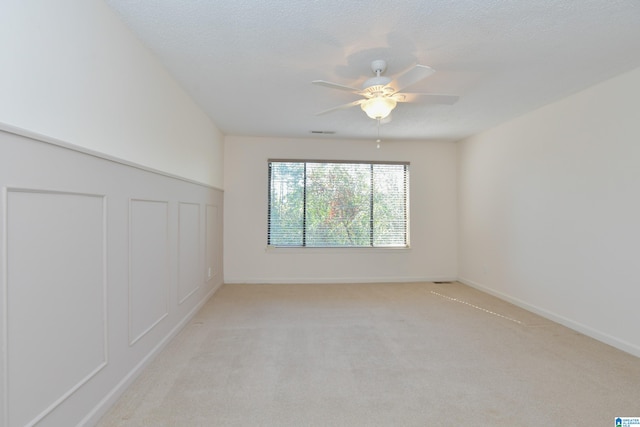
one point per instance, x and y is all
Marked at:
(378, 107)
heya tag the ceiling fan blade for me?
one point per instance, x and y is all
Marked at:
(335, 86)
(427, 98)
(410, 77)
(341, 107)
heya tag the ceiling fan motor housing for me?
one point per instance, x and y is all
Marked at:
(376, 81)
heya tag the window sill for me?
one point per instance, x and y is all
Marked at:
(314, 251)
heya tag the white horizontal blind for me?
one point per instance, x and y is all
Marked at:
(286, 204)
(338, 204)
(390, 205)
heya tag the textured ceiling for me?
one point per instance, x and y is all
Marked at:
(249, 63)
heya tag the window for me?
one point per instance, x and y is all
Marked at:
(338, 204)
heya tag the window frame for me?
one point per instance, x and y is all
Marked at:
(406, 246)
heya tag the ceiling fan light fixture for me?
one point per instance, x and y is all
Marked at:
(378, 107)
(381, 94)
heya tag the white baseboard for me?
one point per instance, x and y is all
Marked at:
(576, 326)
(330, 280)
(110, 398)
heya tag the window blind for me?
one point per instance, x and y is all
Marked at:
(338, 204)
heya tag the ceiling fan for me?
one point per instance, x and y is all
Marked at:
(381, 93)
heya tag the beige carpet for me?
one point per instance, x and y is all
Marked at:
(419, 354)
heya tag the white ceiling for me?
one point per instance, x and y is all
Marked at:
(249, 63)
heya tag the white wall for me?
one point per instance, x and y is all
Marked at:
(433, 215)
(71, 70)
(550, 211)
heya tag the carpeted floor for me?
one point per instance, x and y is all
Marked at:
(418, 354)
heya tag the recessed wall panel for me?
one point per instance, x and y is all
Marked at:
(211, 269)
(189, 272)
(55, 319)
(148, 266)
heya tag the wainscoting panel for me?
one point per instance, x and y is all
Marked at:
(148, 265)
(212, 242)
(55, 298)
(102, 263)
(189, 274)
